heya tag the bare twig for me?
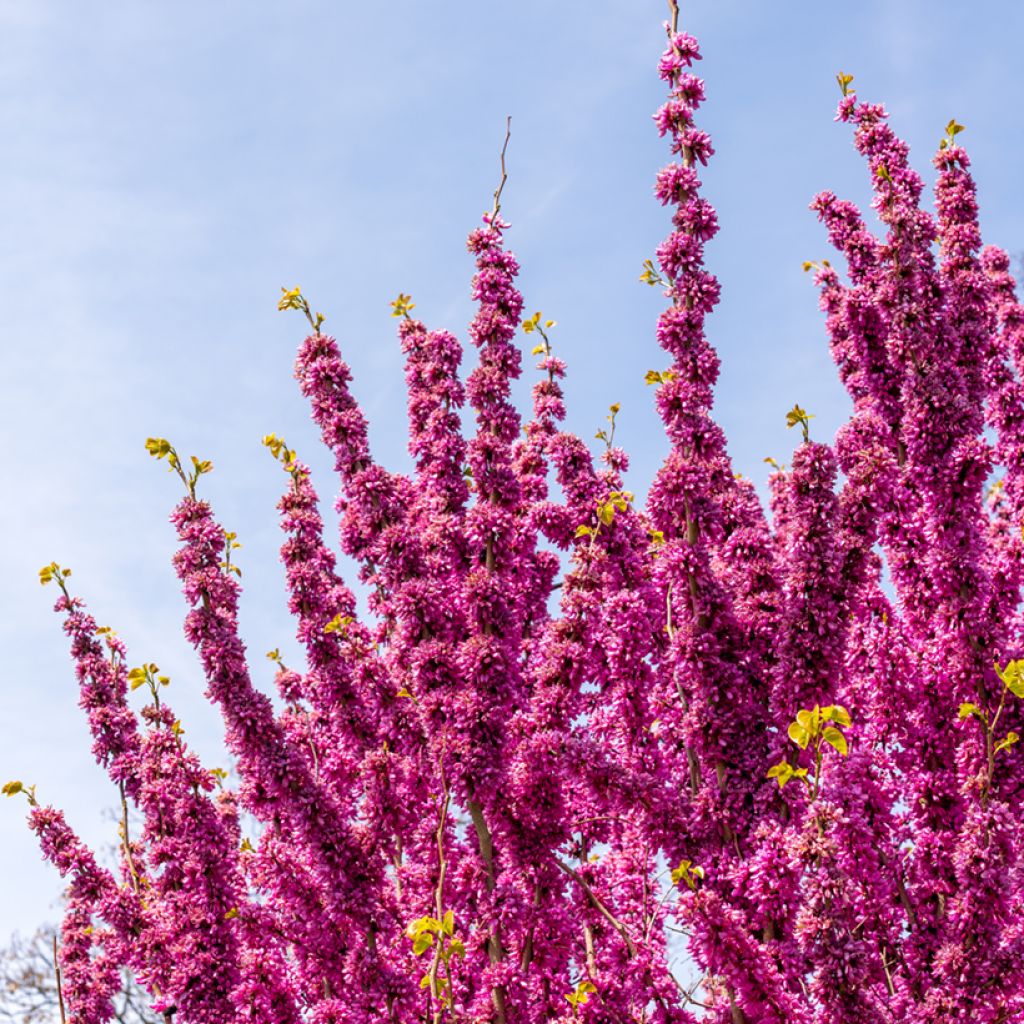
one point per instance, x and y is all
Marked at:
(599, 905)
(673, 7)
(60, 990)
(494, 950)
(504, 173)
(127, 842)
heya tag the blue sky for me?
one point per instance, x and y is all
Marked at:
(168, 167)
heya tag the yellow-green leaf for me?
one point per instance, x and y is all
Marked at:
(836, 739)
(291, 299)
(781, 772)
(158, 447)
(421, 925)
(799, 735)
(402, 305)
(1008, 741)
(1013, 677)
(836, 713)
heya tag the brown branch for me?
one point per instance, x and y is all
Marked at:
(673, 7)
(599, 906)
(60, 989)
(494, 950)
(504, 173)
(133, 873)
(442, 868)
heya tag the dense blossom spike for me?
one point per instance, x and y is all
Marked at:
(589, 758)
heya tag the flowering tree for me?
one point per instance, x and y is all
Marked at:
(783, 745)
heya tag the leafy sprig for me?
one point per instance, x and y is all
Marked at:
(161, 448)
(796, 416)
(292, 298)
(814, 729)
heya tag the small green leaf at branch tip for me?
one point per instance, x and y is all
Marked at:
(657, 537)
(403, 305)
(581, 994)
(659, 376)
(537, 350)
(52, 572)
(231, 914)
(795, 416)
(883, 173)
(784, 771)
(967, 709)
(338, 623)
(953, 129)
(583, 531)
(291, 299)
(15, 787)
(844, 81)
(809, 265)
(280, 451)
(1012, 676)
(1008, 741)
(836, 713)
(531, 324)
(158, 447)
(650, 275)
(687, 872)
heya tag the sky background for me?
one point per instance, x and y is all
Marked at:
(167, 167)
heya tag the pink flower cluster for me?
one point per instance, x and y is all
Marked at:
(590, 761)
